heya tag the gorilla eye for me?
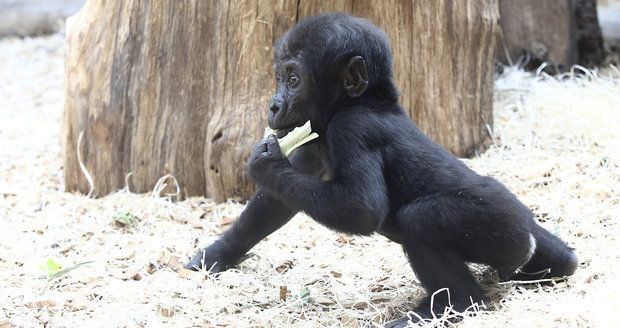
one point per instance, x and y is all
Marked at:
(293, 81)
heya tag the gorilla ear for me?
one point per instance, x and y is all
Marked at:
(355, 77)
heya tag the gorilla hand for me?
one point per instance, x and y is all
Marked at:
(267, 161)
(213, 258)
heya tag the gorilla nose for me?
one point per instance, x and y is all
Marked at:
(277, 103)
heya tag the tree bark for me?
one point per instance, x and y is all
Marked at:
(170, 87)
(240, 111)
(561, 33)
(137, 75)
(182, 87)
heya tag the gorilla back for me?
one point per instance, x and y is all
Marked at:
(372, 170)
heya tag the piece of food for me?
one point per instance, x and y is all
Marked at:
(294, 139)
(51, 267)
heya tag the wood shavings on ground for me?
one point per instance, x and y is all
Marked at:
(556, 145)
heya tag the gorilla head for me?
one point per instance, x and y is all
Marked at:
(325, 62)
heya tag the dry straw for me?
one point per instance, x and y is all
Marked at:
(557, 147)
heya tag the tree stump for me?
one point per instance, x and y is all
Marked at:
(182, 87)
(561, 33)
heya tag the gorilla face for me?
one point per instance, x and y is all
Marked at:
(293, 103)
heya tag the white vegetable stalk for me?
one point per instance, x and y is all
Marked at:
(294, 139)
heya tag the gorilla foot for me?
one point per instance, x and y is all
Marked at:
(443, 312)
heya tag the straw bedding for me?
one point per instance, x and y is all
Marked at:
(556, 145)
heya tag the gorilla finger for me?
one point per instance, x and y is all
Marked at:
(272, 145)
(261, 147)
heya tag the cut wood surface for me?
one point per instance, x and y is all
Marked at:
(181, 88)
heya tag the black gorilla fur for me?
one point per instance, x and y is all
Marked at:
(372, 170)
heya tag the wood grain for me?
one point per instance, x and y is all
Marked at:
(182, 87)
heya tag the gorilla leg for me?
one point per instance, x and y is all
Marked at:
(437, 269)
(442, 232)
(263, 215)
(552, 258)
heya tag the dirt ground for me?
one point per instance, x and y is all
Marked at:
(556, 145)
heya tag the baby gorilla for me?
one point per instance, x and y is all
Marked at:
(372, 170)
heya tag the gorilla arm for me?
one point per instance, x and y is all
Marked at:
(354, 201)
(263, 215)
